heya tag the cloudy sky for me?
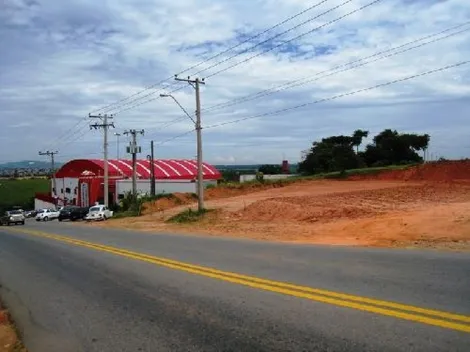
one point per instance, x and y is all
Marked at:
(61, 60)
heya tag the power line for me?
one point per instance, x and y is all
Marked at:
(260, 53)
(211, 58)
(175, 137)
(302, 81)
(274, 37)
(300, 35)
(323, 100)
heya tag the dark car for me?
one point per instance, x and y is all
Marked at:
(72, 212)
(12, 217)
(30, 213)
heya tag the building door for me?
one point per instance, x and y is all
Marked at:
(84, 195)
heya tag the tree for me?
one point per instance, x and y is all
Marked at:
(389, 147)
(270, 169)
(358, 135)
(334, 153)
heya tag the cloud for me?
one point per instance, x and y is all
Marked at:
(64, 60)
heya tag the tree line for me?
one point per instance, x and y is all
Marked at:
(340, 153)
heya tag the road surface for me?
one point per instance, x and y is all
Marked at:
(80, 288)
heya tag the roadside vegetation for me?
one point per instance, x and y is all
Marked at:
(20, 192)
(188, 216)
(341, 153)
(131, 206)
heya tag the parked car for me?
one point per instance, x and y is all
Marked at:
(12, 217)
(47, 214)
(72, 212)
(98, 212)
(30, 213)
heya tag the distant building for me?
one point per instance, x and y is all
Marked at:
(80, 181)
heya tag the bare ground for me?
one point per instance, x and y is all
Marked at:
(367, 213)
(8, 339)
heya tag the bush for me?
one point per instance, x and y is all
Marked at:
(189, 215)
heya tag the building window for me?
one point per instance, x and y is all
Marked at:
(67, 190)
(61, 190)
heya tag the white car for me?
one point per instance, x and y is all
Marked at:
(47, 214)
(98, 212)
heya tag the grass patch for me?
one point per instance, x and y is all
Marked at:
(125, 214)
(323, 176)
(20, 192)
(188, 216)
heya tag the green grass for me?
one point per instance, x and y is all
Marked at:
(188, 216)
(330, 176)
(20, 192)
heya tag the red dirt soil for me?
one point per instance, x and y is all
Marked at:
(8, 339)
(433, 172)
(428, 206)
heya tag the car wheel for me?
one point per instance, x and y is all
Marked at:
(46, 218)
(60, 219)
(22, 223)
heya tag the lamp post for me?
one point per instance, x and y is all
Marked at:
(198, 128)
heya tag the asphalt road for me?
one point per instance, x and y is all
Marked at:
(78, 296)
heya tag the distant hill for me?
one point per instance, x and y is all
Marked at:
(27, 164)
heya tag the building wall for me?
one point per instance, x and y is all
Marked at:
(40, 204)
(66, 188)
(161, 186)
(247, 178)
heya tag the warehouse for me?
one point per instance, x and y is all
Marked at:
(80, 181)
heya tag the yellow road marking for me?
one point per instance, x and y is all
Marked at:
(397, 310)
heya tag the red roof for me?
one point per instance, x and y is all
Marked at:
(122, 168)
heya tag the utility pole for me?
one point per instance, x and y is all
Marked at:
(54, 184)
(105, 126)
(134, 149)
(117, 144)
(152, 170)
(200, 179)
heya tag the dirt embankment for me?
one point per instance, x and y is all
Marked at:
(427, 205)
(8, 339)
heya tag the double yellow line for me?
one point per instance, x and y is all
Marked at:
(421, 315)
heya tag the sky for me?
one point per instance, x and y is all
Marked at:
(271, 68)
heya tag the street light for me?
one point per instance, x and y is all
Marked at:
(117, 148)
(198, 128)
(181, 106)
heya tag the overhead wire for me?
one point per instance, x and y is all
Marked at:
(298, 36)
(342, 95)
(118, 103)
(335, 70)
(263, 51)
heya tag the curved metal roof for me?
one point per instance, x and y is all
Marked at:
(182, 169)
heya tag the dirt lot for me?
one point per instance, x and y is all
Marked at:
(426, 206)
(8, 339)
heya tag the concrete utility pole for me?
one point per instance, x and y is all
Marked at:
(54, 184)
(105, 126)
(134, 149)
(117, 144)
(200, 178)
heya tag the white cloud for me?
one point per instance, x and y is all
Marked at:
(65, 60)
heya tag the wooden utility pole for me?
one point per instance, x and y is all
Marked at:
(152, 170)
(54, 183)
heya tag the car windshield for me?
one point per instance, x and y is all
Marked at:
(40, 211)
(14, 212)
(95, 209)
